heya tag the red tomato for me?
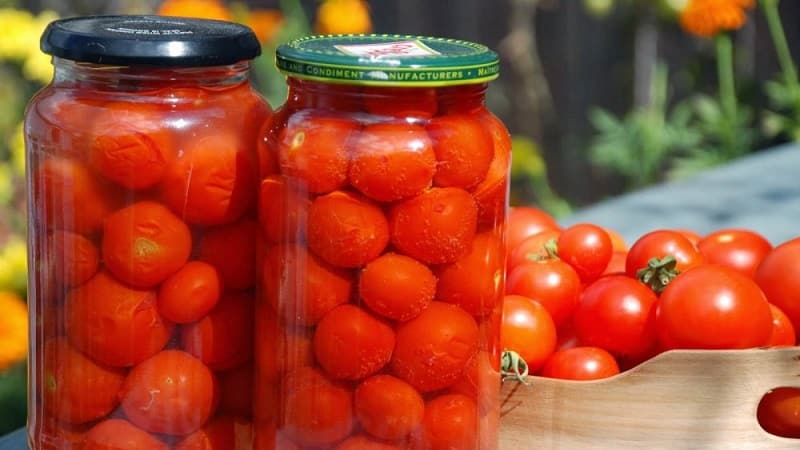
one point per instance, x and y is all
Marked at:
(113, 323)
(396, 286)
(144, 243)
(617, 241)
(779, 277)
(528, 330)
(280, 348)
(324, 96)
(230, 250)
(401, 102)
(617, 313)
(551, 282)
(451, 422)
(170, 393)
(77, 389)
(266, 437)
(741, 250)
(220, 433)
(118, 434)
(490, 194)
(587, 248)
(392, 161)
(531, 249)
(433, 348)
(75, 258)
(190, 293)
(346, 230)
(473, 281)
(713, 307)
(779, 412)
(365, 442)
(464, 150)
(525, 221)
(435, 227)
(661, 243)
(283, 210)
(317, 412)
(315, 149)
(581, 363)
(213, 182)
(53, 434)
(617, 264)
(369, 342)
(311, 288)
(692, 236)
(783, 332)
(223, 339)
(236, 391)
(388, 407)
(567, 338)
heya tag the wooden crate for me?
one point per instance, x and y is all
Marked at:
(678, 400)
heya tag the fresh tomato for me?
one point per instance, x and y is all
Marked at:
(739, 249)
(617, 241)
(170, 393)
(525, 221)
(369, 342)
(118, 434)
(230, 250)
(346, 229)
(713, 307)
(145, 243)
(779, 412)
(528, 330)
(451, 422)
(464, 150)
(617, 264)
(223, 339)
(77, 389)
(779, 277)
(190, 293)
(396, 286)
(75, 258)
(473, 281)
(113, 323)
(551, 282)
(587, 248)
(617, 313)
(433, 348)
(691, 235)
(436, 226)
(392, 161)
(581, 363)
(783, 332)
(388, 407)
(531, 249)
(659, 244)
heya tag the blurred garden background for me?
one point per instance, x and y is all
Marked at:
(602, 97)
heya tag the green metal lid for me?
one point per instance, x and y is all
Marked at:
(387, 60)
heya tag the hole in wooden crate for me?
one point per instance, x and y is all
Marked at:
(779, 412)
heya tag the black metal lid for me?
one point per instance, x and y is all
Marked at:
(150, 40)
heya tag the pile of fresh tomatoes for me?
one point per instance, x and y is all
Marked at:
(581, 304)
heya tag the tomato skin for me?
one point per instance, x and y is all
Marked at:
(190, 293)
(369, 342)
(778, 276)
(77, 389)
(691, 235)
(223, 339)
(587, 248)
(531, 249)
(220, 433)
(491, 193)
(581, 363)
(783, 332)
(713, 307)
(388, 407)
(617, 264)
(472, 281)
(525, 221)
(118, 434)
(236, 391)
(551, 282)
(617, 314)
(396, 286)
(230, 250)
(779, 412)
(433, 348)
(401, 102)
(283, 210)
(464, 150)
(365, 442)
(170, 393)
(451, 422)
(739, 249)
(661, 243)
(528, 330)
(75, 258)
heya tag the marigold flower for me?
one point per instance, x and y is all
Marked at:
(13, 329)
(199, 9)
(707, 18)
(343, 17)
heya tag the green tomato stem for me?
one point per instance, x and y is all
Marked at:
(513, 367)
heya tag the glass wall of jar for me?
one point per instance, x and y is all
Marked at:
(382, 209)
(142, 188)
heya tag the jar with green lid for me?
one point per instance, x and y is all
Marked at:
(382, 206)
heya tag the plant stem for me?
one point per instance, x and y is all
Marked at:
(773, 17)
(727, 89)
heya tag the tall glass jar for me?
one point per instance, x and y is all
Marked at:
(142, 189)
(382, 209)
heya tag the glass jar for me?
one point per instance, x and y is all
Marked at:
(142, 189)
(382, 210)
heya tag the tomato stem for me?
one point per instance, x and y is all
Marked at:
(513, 367)
(658, 273)
(551, 247)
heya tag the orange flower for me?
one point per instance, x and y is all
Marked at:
(707, 18)
(343, 17)
(201, 9)
(13, 329)
(264, 22)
